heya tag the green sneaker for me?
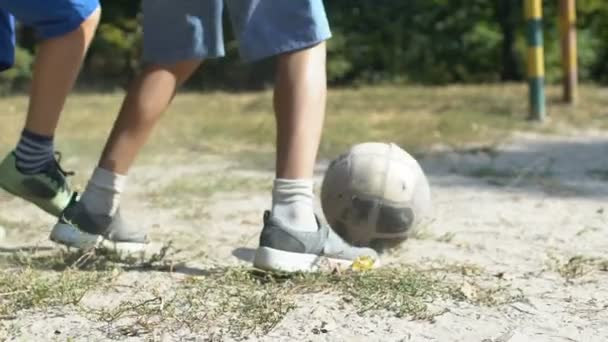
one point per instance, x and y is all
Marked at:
(49, 189)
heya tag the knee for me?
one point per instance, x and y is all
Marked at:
(181, 70)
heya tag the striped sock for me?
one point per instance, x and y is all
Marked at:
(33, 152)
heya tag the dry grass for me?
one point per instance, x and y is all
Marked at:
(242, 126)
(235, 302)
(244, 302)
(578, 266)
(29, 281)
(239, 302)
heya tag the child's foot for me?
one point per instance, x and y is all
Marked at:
(81, 229)
(285, 249)
(48, 189)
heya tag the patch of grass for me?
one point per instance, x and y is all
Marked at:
(229, 302)
(579, 266)
(405, 292)
(143, 312)
(38, 280)
(241, 126)
(240, 303)
(86, 260)
(54, 261)
(234, 302)
(31, 288)
(489, 296)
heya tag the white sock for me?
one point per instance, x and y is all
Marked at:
(292, 202)
(102, 194)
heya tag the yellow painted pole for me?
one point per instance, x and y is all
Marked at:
(536, 62)
(569, 50)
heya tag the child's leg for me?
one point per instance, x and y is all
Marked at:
(299, 103)
(173, 52)
(295, 31)
(178, 35)
(57, 65)
(65, 29)
(148, 97)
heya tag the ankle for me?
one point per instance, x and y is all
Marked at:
(292, 203)
(103, 192)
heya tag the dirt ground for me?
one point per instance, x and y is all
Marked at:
(528, 216)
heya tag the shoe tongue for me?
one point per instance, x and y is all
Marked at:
(51, 168)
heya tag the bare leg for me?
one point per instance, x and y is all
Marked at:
(300, 109)
(149, 96)
(57, 65)
(299, 102)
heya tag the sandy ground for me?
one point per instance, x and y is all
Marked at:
(516, 212)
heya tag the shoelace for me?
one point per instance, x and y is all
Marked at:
(56, 173)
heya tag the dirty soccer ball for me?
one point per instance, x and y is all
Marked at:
(375, 194)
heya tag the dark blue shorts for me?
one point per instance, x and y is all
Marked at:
(49, 18)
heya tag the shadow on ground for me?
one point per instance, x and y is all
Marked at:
(576, 166)
(244, 254)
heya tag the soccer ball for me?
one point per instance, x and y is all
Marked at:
(376, 194)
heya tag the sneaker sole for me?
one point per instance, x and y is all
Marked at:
(70, 236)
(271, 259)
(33, 201)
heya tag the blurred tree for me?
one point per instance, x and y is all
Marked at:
(508, 15)
(415, 41)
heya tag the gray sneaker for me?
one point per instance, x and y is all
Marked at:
(285, 249)
(81, 229)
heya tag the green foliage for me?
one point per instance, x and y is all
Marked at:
(592, 16)
(114, 54)
(19, 74)
(422, 41)
(416, 41)
(116, 51)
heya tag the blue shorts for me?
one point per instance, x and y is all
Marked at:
(177, 30)
(49, 18)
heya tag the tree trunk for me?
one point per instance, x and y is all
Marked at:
(508, 16)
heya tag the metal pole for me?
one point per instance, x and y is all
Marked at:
(569, 51)
(536, 65)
